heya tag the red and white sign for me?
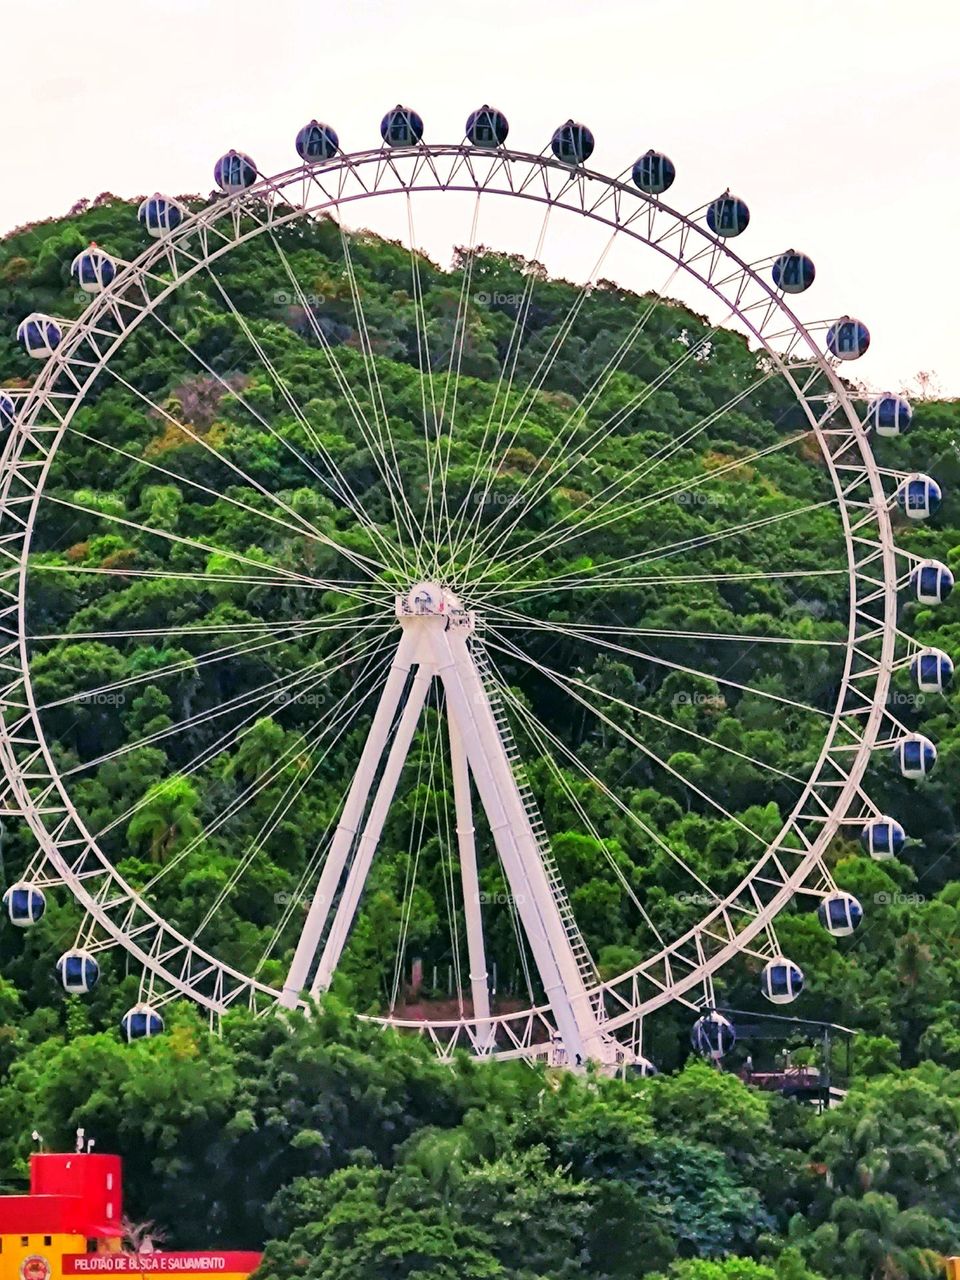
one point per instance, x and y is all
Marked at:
(91, 1264)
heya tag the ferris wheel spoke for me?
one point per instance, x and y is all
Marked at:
(572, 688)
(339, 727)
(349, 586)
(532, 588)
(302, 529)
(602, 517)
(431, 421)
(240, 648)
(571, 683)
(596, 437)
(566, 581)
(195, 544)
(527, 398)
(483, 458)
(578, 417)
(709, 894)
(595, 636)
(272, 691)
(203, 628)
(524, 621)
(327, 731)
(629, 478)
(340, 490)
(673, 633)
(389, 468)
(304, 685)
(239, 802)
(542, 739)
(454, 367)
(269, 693)
(372, 437)
(683, 487)
(299, 893)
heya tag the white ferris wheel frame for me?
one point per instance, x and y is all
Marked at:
(794, 860)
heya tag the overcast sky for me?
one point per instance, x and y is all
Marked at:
(837, 120)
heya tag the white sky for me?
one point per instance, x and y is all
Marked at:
(837, 120)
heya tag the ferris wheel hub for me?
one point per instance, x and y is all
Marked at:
(432, 600)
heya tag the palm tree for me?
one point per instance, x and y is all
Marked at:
(141, 1237)
(881, 1241)
(168, 815)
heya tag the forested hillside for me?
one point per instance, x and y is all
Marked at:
(194, 635)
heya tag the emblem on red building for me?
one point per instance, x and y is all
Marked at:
(35, 1267)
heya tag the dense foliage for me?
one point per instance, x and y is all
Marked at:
(359, 1154)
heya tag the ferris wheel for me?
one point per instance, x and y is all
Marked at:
(413, 617)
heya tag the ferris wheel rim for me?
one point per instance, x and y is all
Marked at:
(233, 206)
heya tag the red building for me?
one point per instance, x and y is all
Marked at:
(70, 1225)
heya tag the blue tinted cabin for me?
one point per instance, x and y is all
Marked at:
(728, 216)
(882, 838)
(93, 270)
(401, 127)
(159, 214)
(25, 904)
(141, 1022)
(78, 972)
(915, 756)
(932, 671)
(317, 141)
(793, 272)
(642, 1067)
(572, 143)
(848, 339)
(487, 128)
(712, 1036)
(781, 981)
(654, 173)
(234, 172)
(40, 336)
(918, 497)
(889, 415)
(932, 582)
(840, 914)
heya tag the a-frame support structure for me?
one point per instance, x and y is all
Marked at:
(433, 645)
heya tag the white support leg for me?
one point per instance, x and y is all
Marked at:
(506, 825)
(367, 844)
(353, 809)
(471, 885)
(533, 882)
